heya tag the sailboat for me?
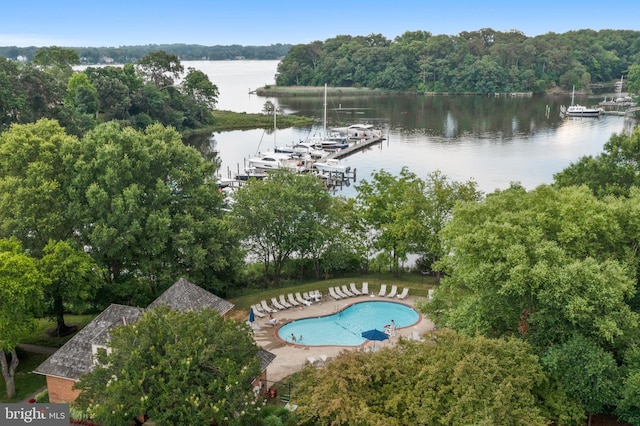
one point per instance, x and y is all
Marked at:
(273, 160)
(576, 110)
(330, 141)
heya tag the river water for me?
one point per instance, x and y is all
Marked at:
(491, 140)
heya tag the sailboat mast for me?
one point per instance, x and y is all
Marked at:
(324, 117)
(275, 145)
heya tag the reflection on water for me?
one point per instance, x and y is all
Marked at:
(492, 140)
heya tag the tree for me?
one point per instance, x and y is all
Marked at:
(545, 264)
(35, 182)
(440, 196)
(197, 85)
(149, 210)
(613, 172)
(175, 368)
(450, 379)
(20, 296)
(160, 68)
(588, 373)
(389, 205)
(73, 276)
(633, 79)
(81, 94)
(280, 216)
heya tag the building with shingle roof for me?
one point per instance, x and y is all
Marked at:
(76, 357)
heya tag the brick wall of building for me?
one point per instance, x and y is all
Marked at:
(61, 390)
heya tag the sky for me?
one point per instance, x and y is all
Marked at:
(114, 23)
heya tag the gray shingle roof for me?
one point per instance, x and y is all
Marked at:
(75, 358)
(185, 296)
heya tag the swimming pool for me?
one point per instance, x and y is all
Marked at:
(344, 328)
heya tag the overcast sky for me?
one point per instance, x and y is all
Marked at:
(115, 23)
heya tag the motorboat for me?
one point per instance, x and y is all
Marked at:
(302, 149)
(332, 165)
(359, 132)
(275, 161)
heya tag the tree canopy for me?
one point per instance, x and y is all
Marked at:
(448, 379)
(482, 61)
(180, 368)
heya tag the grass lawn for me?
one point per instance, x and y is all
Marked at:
(41, 338)
(26, 382)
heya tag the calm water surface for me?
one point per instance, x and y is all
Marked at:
(494, 141)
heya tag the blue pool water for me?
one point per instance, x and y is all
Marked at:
(344, 328)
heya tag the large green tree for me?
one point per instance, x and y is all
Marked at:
(282, 215)
(21, 287)
(74, 277)
(35, 179)
(176, 368)
(149, 209)
(448, 379)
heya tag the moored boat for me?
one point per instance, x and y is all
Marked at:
(575, 110)
(332, 165)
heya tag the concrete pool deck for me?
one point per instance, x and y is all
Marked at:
(291, 357)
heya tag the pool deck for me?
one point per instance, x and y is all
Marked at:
(291, 357)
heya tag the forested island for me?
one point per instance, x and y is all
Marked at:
(476, 62)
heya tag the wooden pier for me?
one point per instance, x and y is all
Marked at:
(355, 147)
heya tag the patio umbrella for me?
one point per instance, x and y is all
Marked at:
(252, 316)
(374, 335)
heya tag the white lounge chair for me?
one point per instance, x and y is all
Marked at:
(277, 305)
(257, 312)
(430, 296)
(354, 290)
(302, 300)
(267, 308)
(346, 291)
(311, 360)
(339, 292)
(316, 294)
(291, 300)
(365, 288)
(383, 290)
(333, 294)
(393, 292)
(283, 302)
(404, 294)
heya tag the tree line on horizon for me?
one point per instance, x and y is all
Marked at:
(475, 62)
(131, 54)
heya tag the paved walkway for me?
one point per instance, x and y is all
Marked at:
(291, 358)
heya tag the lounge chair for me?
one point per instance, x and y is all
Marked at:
(277, 305)
(383, 290)
(267, 308)
(291, 300)
(346, 291)
(365, 288)
(306, 296)
(393, 292)
(257, 312)
(311, 360)
(404, 294)
(317, 296)
(333, 294)
(284, 302)
(354, 290)
(302, 300)
(430, 296)
(339, 292)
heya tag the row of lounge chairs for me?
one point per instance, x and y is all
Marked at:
(281, 303)
(341, 292)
